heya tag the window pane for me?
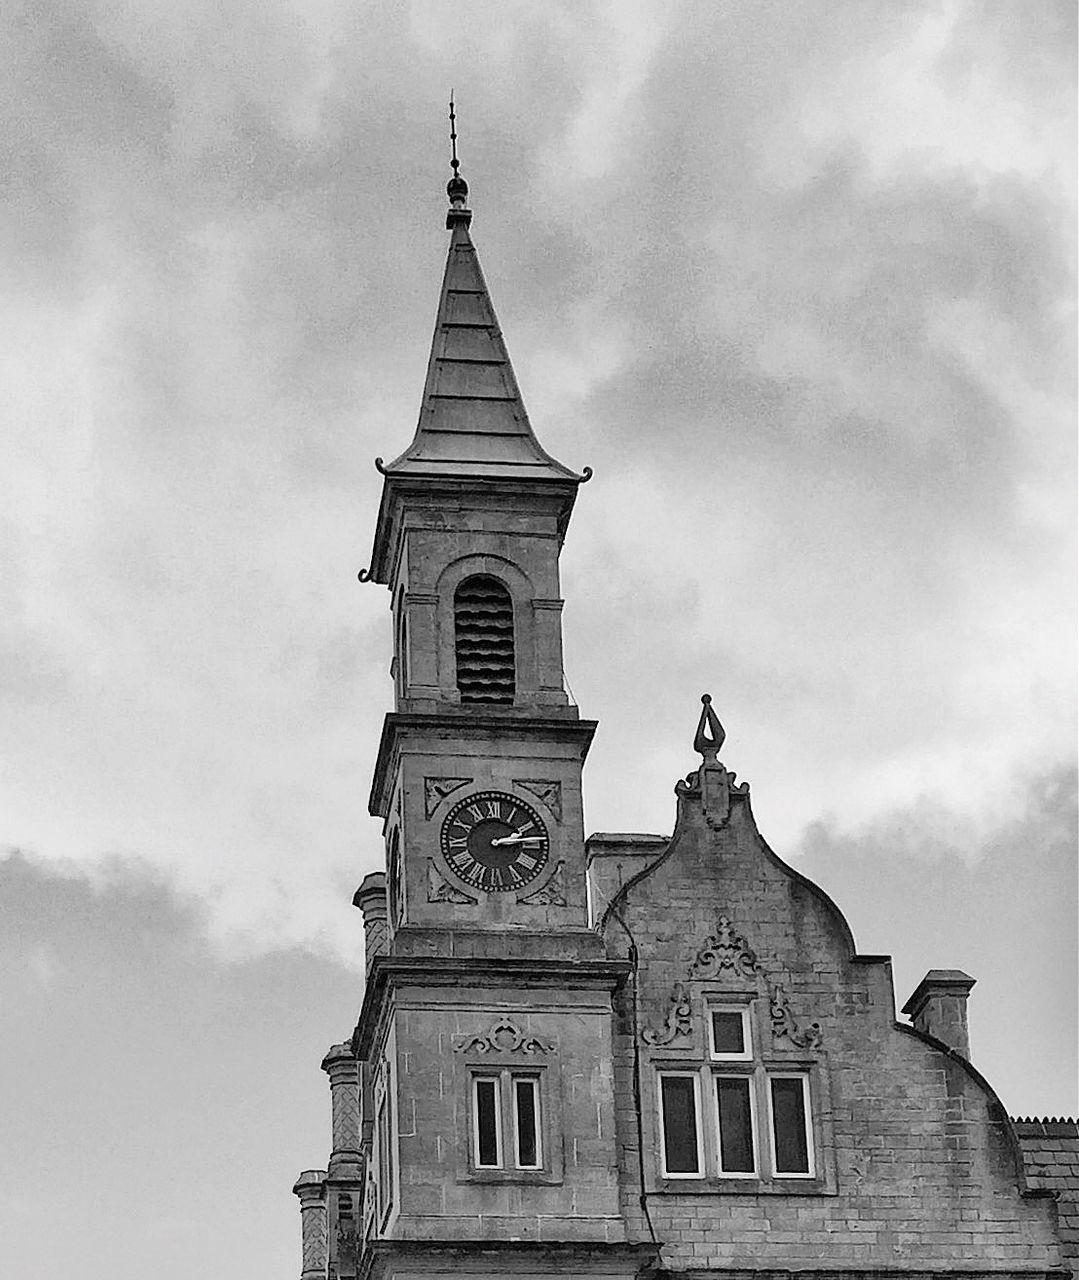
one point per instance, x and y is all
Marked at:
(487, 1123)
(679, 1125)
(728, 1035)
(735, 1125)
(527, 1146)
(789, 1119)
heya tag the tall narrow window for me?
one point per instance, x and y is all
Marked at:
(526, 1121)
(487, 1122)
(400, 669)
(678, 1096)
(483, 641)
(791, 1144)
(735, 1112)
(385, 1157)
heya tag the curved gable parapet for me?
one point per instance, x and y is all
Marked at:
(996, 1109)
(715, 825)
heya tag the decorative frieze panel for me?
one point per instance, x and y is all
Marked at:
(504, 1036)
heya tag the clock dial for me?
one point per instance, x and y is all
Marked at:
(495, 842)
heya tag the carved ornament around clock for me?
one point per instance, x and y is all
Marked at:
(439, 889)
(547, 790)
(551, 894)
(435, 790)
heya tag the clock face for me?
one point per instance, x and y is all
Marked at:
(495, 842)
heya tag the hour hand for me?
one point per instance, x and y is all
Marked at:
(515, 839)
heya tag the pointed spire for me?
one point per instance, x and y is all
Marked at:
(473, 422)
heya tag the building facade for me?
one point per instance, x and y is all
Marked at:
(622, 1055)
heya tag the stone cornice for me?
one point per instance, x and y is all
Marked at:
(636, 1259)
(468, 724)
(472, 972)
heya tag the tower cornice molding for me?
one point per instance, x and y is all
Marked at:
(470, 973)
(467, 724)
(403, 496)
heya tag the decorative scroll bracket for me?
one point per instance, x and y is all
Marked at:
(678, 1022)
(784, 1024)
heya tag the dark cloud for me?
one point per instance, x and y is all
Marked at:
(127, 1041)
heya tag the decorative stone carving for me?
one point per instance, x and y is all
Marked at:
(435, 790)
(678, 1021)
(712, 784)
(439, 889)
(784, 1024)
(725, 949)
(547, 790)
(505, 1036)
(550, 894)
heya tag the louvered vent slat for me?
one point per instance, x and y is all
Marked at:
(483, 622)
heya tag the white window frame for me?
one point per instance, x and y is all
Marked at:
(495, 1078)
(807, 1112)
(702, 1155)
(754, 1130)
(747, 1034)
(533, 1080)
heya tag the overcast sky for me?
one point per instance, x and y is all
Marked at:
(796, 279)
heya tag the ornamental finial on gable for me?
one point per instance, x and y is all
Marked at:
(710, 733)
(712, 784)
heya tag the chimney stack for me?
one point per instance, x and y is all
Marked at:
(938, 1007)
(370, 897)
(341, 1065)
(310, 1189)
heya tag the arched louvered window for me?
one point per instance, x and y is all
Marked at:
(483, 631)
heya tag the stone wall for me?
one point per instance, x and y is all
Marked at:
(915, 1164)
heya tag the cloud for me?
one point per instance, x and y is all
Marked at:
(936, 889)
(756, 264)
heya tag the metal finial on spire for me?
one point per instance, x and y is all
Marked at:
(455, 164)
(457, 187)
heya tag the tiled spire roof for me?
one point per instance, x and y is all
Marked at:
(473, 422)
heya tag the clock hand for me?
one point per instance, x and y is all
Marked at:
(517, 840)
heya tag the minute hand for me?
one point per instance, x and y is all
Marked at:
(517, 840)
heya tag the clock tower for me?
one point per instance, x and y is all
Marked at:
(486, 1032)
(478, 777)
